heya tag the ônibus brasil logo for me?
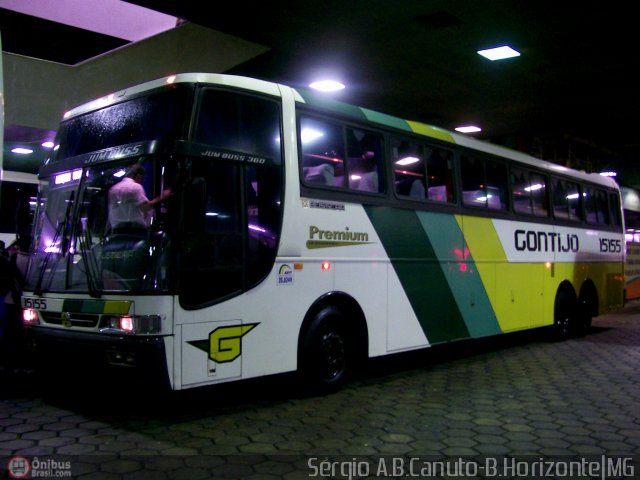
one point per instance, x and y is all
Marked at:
(22, 467)
(19, 467)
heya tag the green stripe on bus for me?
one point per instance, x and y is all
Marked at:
(320, 101)
(420, 272)
(387, 120)
(462, 276)
(96, 306)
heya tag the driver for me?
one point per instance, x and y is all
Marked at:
(128, 202)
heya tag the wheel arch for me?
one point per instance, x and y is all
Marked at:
(566, 288)
(356, 326)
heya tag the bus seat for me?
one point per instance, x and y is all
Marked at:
(320, 174)
(417, 190)
(125, 256)
(369, 182)
(438, 193)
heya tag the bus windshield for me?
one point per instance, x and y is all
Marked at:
(142, 198)
(98, 230)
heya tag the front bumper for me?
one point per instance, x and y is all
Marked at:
(140, 358)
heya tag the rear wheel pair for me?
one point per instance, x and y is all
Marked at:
(571, 316)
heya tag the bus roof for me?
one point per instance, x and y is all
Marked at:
(319, 101)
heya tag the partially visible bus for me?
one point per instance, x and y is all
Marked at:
(18, 191)
(301, 234)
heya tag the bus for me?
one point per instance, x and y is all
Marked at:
(287, 232)
(18, 192)
(17, 189)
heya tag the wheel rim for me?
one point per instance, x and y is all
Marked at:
(332, 356)
(564, 326)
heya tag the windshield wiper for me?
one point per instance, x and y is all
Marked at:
(90, 262)
(62, 230)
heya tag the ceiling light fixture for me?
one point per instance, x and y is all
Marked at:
(407, 161)
(468, 129)
(327, 85)
(22, 151)
(499, 53)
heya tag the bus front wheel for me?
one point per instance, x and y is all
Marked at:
(325, 351)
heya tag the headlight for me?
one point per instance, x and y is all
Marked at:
(139, 324)
(30, 316)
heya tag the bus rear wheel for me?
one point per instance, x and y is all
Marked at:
(326, 359)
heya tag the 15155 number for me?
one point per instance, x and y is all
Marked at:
(610, 245)
(35, 303)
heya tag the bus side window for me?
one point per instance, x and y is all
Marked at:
(484, 183)
(539, 199)
(474, 192)
(496, 180)
(529, 192)
(614, 209)
(521, 191)
(439, 177)
(602, 207)
(590, 209)
(574, 197)
(408, 169)
(560, 208)
(364, 160)
(566, 200)
(322, 148)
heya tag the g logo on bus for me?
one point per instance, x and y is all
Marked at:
(225, 343)
(65, 319)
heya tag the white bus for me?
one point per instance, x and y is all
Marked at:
(300, 234)
(17, 189)
(18, 192)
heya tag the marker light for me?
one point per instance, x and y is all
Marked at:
(325, 266)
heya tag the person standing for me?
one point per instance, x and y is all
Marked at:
(128, 202)
(14, 269)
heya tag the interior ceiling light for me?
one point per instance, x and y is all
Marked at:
(407, 161)
(468, 129)
(499, 53)
(327, 85)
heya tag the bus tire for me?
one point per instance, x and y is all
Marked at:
(587, 306)
(326, 351)
(564, 313)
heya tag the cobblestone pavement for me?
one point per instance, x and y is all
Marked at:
(513, 396)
